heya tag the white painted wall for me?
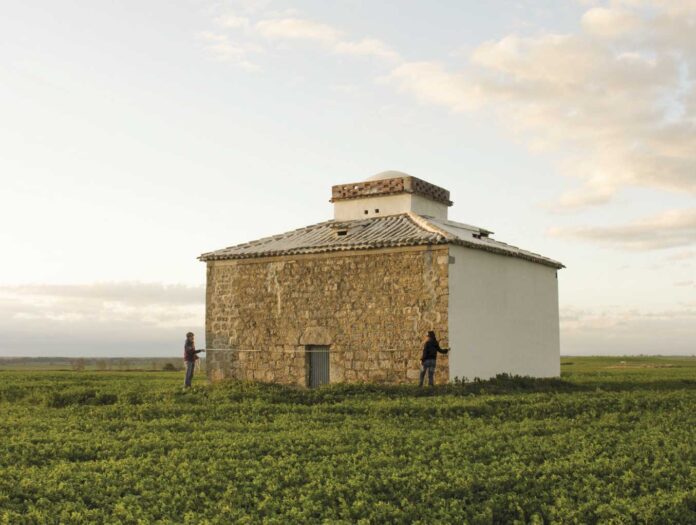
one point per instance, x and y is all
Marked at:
(503, 316)
(354, 209)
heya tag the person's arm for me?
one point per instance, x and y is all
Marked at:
(201, 350)
(442, 350)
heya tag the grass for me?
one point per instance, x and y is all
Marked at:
(608, 442)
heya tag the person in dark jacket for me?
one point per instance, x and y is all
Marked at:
(429, 358)
(190, 358)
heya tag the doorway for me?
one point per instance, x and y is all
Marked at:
(318, 365)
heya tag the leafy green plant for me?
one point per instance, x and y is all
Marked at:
(601, 444)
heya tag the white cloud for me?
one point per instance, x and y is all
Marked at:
(617, 331)
(233, 22)
(223, 49)
(132, 292)
(610, 22)
(430, 83)
(297, 29)
(366, 47)
(591, 194)
(671, 229)
(618, 99)
(120, 318)
(682, 256)
(147, 303)
(327, 36)
(288, 26)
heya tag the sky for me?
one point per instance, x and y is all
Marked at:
(135, 136)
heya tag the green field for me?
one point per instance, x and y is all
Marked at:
(612, 441)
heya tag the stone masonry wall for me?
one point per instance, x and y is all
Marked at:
(372, 308)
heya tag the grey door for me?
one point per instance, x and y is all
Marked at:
(318, 358)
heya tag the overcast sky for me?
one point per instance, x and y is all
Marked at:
(136, 135)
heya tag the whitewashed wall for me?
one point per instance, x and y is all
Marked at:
(503, 316)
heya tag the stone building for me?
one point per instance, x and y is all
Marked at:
(351, 299)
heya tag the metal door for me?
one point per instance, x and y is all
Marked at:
(318, 359)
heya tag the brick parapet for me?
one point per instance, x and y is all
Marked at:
(372, 188)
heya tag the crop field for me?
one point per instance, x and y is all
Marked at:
(612, 441)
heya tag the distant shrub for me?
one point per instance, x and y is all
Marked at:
(13, 393)
(64, 398)
(79, 396)
(169, 367)
(103, 398)
(131, 398)
(78, 364)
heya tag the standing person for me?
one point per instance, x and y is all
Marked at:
(429, 358)
(190, 358)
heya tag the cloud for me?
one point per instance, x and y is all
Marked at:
(221, 48)
(124, 318)
(287, 26)
(682, 256)
(592, 194)
(366, 47)
(610, 22)
(233, 22)
(430, 83)
(617, 98)
(297, 29)
(132, 292)
(625, 331)
(671, 229)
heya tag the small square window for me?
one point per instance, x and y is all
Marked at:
(365, 212)
(376, 210)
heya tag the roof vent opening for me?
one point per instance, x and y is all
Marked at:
(341, 233)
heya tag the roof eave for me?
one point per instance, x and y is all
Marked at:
(207, 257)
(501, 251)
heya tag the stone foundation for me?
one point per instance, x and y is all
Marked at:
(371, 308)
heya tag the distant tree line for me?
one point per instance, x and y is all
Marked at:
(79, 364)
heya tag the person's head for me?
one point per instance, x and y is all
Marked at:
(431, 335)
(189, 336)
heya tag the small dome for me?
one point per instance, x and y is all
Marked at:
(391, 174)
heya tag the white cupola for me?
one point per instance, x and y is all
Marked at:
(389, 193)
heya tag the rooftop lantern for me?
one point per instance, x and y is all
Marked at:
(389, 193)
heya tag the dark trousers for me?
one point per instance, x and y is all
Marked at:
(190, 365)
(428, 366)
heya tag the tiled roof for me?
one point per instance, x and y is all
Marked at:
(407, 229)
(465, 235)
